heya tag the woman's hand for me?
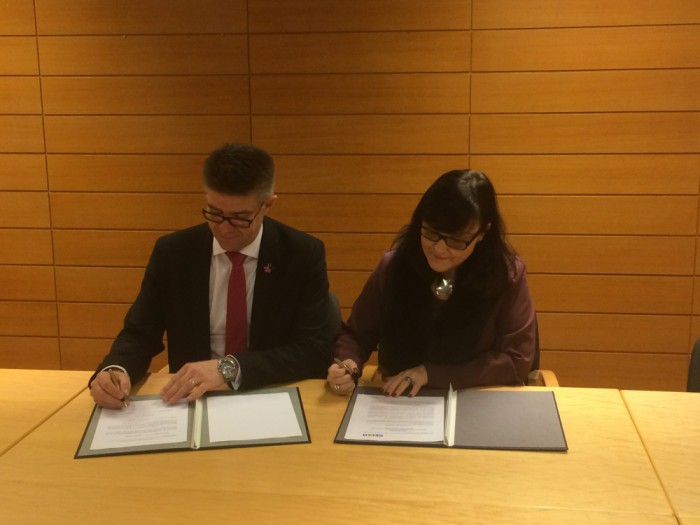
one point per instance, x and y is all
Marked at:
(340, 381)
(413, 379)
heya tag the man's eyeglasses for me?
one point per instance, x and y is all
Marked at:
(238, 222)
(451, 242)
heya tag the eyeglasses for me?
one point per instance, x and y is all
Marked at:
(451, 242)
(237, 222)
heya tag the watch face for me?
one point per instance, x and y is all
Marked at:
(227, 368)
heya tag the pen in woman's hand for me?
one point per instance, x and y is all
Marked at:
(354, 374)
(115, 382)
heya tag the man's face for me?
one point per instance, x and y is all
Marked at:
(233, 238)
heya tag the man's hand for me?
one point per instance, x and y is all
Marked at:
(192, 380)
(110, 388)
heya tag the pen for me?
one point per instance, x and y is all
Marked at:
(355, 376)
(115, 382)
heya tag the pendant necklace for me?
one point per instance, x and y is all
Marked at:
(442, 288)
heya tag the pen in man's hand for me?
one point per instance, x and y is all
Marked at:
(355, 375)
(115, 382)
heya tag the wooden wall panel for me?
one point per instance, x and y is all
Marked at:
(18, 55)
(27, 283)
(76, 17)
(660, 334)
(126, 173)
(618, 370)
(21, 134)
(104, 247)
(24, 318)
(580, 91)
(594, 174)
(150, 95)
(493, 14)
(308, 16)
(22, 172)
(137, 134)
(355, 251)
(620, 294)
(360, 93)
(85, 354)
(20, 95)
(15, 205)
(17, 17)
(634, 255)
(586, 48)
(30, 352)
(95, 285)
(603, 215)
(359, 174)
(586, 133)
(126, 211)
(412, 134)
(347, 285)
(25, 246)
(345, 213)
(91, 320)
(586, 119)
(143, 55)
(383, 52)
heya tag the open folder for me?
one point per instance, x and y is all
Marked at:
(485, 419)
(271, 416)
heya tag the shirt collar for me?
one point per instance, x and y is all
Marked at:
(251, 250)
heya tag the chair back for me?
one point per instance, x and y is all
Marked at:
(536, 361)
(694, 368)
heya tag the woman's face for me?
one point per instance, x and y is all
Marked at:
(444, 252)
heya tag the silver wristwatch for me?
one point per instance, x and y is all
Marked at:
(228, 367)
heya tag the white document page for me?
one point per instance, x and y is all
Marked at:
(381, 418)
(251, 416)
(147, 422)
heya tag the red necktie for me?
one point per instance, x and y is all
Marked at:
(236, 307)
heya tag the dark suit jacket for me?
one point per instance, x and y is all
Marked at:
(289, 335)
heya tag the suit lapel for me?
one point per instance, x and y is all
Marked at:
(265, 277)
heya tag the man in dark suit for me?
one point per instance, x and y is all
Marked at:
(282, 286)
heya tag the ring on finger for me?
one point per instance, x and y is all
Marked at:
(337, 387)
(408, 380)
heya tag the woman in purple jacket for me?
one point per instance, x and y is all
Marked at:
(448, 304)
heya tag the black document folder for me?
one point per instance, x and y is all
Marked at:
(471, 418)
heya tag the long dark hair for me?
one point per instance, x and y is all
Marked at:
(419, 328)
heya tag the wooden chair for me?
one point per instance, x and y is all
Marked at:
(694, 368)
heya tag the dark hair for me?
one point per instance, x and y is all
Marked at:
(448, 331)
(240, 169)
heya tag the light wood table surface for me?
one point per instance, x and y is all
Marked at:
(604, 478)
(669, 425)
(29, 397)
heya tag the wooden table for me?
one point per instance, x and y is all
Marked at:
(42, 393)
(669, 425)
(605, 477)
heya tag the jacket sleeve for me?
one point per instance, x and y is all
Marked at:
(141, 338)
(358, 338)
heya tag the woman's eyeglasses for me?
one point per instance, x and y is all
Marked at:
(451, 242)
